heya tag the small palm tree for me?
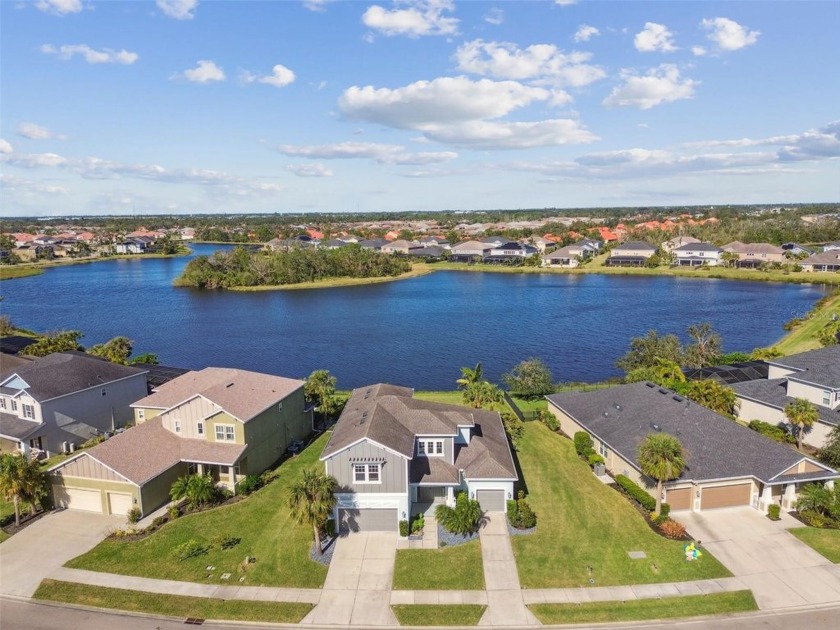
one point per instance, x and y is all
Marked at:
(21, 479)
(802, 414)
(196, 489)
(463, 519)
(470, 376)
(312, 499)
(661, 457)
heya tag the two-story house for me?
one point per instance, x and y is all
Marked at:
(223, 422)
(395, 456)
(469, 251)
(751, 255)
(696, 254)
(57, 402)
(510, 251)
(571, 255)
(812, 375)
(631, 254)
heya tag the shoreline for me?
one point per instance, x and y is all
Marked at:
(333, 283)
(803, 337)
(34, 269)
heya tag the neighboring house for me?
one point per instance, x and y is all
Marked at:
(333, 243)
(543, 244)
(59, 401)
(134, 245)
(375, 244)
(434, 241)
(495, 241)
(812, 375)
(828, 260)
(571, 255)
(511, 250)
(470, 250)
(678, 241)
(223, 422)
(831, 247)
(395, 456)
(696, 254)
(752, 255)
(727, 464)
(631, 254)
(796, 249)
(431, 252)
(400, 246)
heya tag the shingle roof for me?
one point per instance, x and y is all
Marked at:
(634, 245)
(698, 247)
(752, 248)
(831, 257)
(16, 428)
(820, 367)
(773, 392)
(241, 393)
(63, 373)
(715, 447)
(488, 455)
(433, 470)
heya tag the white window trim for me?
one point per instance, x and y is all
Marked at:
(14, 405)
(141, 414)
(2, 402)
(425, 452)
(31, 411)
(200, 428)
(368, 466)
(224, 428)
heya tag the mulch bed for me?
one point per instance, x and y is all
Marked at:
(328, 545)
(448, 539)
(25, 521)
(646, 515)
(515, 531)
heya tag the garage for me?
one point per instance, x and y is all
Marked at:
(491, 500)
(367, 520)
(119, 503)
(726, 496)
(79, 499)
(679, 498)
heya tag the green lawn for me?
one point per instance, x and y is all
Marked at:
(438, 615)
(540, 404)
(451, 568)
(455, 397)
(171, 605)
(643, 609)
(582, 523)
(262, 521)
(7, 272)
(804, 336)
(823, 541)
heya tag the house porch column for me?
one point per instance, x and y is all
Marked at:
(789, 496)
(766, 497)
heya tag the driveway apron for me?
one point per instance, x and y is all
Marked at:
(358, 584)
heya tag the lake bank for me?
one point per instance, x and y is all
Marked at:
(23, 270)
(804, 336)
(332, 283)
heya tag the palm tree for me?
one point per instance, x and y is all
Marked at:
(661, 457)
(21, 480)
(312, 499)
(196, 489)
(320, 385)
(470, 376)
(667, 371)
(802, 414)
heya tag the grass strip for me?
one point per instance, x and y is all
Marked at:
(438, 614)
(450, 568)
(8, 272)
(825, 542)
(645, 609)
(171, 605)
(330, 283)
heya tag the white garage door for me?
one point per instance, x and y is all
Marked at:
(78, 499)
(119, 503)
(491, 500)
(370, 520)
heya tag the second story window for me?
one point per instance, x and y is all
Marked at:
(14, 405)
(177, 425)
(366, 473)
(200, 428)
(2, 402)
(430, 448)
(28, 411)
(225, 433)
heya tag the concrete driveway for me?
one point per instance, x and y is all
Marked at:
(781, 571)
(39, 549)
(358, 584)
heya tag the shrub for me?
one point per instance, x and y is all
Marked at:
(595, 458)
(664, 509)
(226, 541)
(512, 512)
(513, 427)
(159, 521)
(93, 441)
(249, 484)
(548, 419)
(417, 524)
(814, 518)
(134, 515)
(526, 517)
(173, 512)
(672, 529)
(404, 529)
(772, 431)
(463, 519)
(636, 493)
(329, 528)
(582, 441)
(774, 512)
(191, 549)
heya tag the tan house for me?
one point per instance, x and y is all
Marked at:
(223, 422)
(400, 247)
(755, 254)
(829, 260)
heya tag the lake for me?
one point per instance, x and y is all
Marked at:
(415, 332)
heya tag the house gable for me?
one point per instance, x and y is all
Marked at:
(88, 467)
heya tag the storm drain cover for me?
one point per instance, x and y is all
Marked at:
(637, 555)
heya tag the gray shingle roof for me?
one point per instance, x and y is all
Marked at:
(698, 247)
(820, 367)
(63, 373)
(17, 428)
(773, 392)
(433, 470)
(634, 245)
(715, 447)
(831, 257)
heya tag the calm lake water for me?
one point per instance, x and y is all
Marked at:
(416, 332)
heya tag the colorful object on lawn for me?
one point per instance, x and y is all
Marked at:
(691, 552)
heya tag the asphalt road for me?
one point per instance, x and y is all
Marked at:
(25, 615)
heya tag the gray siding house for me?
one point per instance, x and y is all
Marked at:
(395, 456)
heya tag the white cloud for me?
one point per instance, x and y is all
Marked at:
(659, 85)
(319, 6)
(699, 51)
(381, 153)
(310, 170)
(106, 55)
(5, 147)
(812, 144)
(37, 132)
(494, 16)
(728, 35)
(416, 19)
(59, 7)
(20, 186)
(585, 33)
(484, 134)
(415, 159)
(178, 9)
(504, 60)
(565, 3)
(204, 72)
(654, 37)
(280, 76)
(34, 160)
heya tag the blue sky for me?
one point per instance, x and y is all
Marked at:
(208, 106)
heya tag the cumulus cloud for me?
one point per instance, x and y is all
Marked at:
(699, 51)
(813, 144)
(5, 147)
(106, 55)
(413, 18)
(728, 35)
(494, 16)
(654, 37)
(59, 7)
(15, 185)
(660, 85)
(319, 6)
(483, 134)
(585, 33)
(310, 170)
(206, 71)
(37, 132)
(178, 9)
(280, 76)
(503, 60)
(381, 153)
(34, 160)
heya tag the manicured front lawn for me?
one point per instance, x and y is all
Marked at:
(262, 521)
(582, 523)
(637, 610)
(171, 605)
(824, 541)
(450, 568)
(438, 615)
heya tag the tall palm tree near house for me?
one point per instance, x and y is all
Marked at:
(802, 414)
(311, 501)
(661, 457)
(21, 479)
(470, 376)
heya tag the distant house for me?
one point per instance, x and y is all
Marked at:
(631, 254)
(333, 243)
(373, 243)
(432, 252)
(470, 250)
(828, 260)
(696, 254)
(434, 241)
(400, 246)
(727, 464)
(751, 255)
(134, 245)
(828, 247)
(510, 251)
(678, 241)
(286, 244)
(495, 241)
(543, 244)
(796, 250)
(570, 255)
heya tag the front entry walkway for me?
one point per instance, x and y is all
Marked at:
(357, 590)
(781, 571)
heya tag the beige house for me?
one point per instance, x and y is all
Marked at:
(223, 422)
(400, 247)
(755, 254)
(678, 241)
(829, 260)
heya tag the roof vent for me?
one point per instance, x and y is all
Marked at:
(228, 385)
(678, 398)
(651, 385)
(663, 391)
(367, 393)
(655, 426)
(617, 406)
(606, 414)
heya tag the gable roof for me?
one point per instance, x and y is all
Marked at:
(241, 393)
(818, 367)
(634, 245)
(698, 247)
(715, 447)
(14, 428)
(63, 373)
(830, 257)
(773, 393)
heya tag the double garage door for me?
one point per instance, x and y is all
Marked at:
(91, 501)
(367, 520)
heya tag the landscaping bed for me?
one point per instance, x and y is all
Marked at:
(438, 615)
(451, 568)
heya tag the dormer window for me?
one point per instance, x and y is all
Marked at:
(430, 448)
(29, 411)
